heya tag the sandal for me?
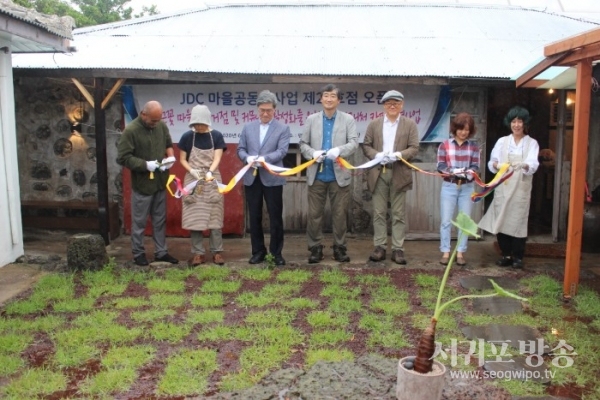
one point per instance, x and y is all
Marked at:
(444, 260)
(460, 260)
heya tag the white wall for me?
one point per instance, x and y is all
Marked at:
(11, 232)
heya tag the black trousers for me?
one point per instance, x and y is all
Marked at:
(273, 197)
(511, 246)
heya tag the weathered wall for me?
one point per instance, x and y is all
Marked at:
(56, 163)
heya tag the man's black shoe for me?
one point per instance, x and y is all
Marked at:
(316, 254)
(504, 262)
(339, 253)
(141, 260)
(517, 263)
(279, 261)
(257, 258)
(167, 258)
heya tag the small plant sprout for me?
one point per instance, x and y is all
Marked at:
(424, 360)
(270, 260)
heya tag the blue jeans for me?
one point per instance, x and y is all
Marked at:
(453, 195)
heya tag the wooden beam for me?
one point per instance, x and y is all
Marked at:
(534, 83)
(112, 92)
(84, 92)
(101, 161)
(592, 51)
(573, 42)
(578, 177)
(538, 69)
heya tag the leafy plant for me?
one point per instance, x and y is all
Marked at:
(424, 360)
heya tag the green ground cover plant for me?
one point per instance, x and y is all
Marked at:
(215, 329)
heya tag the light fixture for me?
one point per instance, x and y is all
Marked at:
(76, 128)
(550, 91)
(569, 102)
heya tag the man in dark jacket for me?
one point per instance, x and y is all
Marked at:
(144, 142)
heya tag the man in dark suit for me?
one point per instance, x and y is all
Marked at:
(264, 140)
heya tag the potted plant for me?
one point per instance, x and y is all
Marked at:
(421, 377)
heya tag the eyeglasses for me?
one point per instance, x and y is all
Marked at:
(392, 104)
(266, 110)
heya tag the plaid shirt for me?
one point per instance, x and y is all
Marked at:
(452, 155)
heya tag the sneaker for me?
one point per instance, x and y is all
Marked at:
(517, 263)
(398, 257)
(316, 254)
(378, 254)
(141, 260)
(218, 259)
(167, 258)
(196, 260)
(504, 262)
(339, 253)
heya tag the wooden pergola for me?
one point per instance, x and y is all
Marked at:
(578, 51)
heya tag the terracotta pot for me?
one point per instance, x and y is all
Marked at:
(412, 385)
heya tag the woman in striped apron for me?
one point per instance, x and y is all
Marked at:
(201, 150)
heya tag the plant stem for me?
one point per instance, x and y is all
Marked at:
(467, 296)
(437, 311)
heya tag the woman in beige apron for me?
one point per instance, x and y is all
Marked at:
(203, 208)
(508, 214)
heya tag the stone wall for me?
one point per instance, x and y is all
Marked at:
(55, 161)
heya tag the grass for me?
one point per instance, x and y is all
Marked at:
(180, 330)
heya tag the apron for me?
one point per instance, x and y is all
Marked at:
(509, 211)
(203, 208)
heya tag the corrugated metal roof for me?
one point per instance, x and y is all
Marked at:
(370, 40)
(59, 26)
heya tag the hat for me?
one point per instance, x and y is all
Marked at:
(392, 95)
(200, 115)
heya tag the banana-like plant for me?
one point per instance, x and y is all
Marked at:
(424, 360)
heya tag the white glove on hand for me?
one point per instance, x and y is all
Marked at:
(167, 163)
(208, 176)
(469, 173)
(251, 159)
(379, 155)
(459, 172)
(523, 166)
(319, 155)
(398, 155)
(333, 153)
(195, 174)
(260, 160)
(152, 165)
(386, 159)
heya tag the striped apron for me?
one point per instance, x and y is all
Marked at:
(203, 208)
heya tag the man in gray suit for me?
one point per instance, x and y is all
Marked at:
(327, 135)
(264, 140)
(392, 137)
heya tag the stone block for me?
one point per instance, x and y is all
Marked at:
(85, 252)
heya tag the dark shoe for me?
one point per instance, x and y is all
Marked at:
(504, 262)
(378, 254)
(196, 260)
(444, 260)
(257, 258)
(218, 259)
(316, 254)
(167, 258)
(398, 257)
(517, 263)
(279, 261)
(339, 253)
(460, 260)
(141, 260)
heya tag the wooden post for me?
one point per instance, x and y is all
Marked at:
(578, 176)
(101, 160)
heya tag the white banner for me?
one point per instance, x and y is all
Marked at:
(233, 106)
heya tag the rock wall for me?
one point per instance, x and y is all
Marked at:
(56, 162)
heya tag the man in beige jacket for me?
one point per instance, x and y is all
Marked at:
(392, 137)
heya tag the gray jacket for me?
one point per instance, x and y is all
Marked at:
(344, 137)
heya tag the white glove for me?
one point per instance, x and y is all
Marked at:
(260, 160)
(196, 174)
(522, 165)
(379, 155)
(167, 163)
(319, 155)
(333, 153)
(469, 173)
(459, 172)
(398, 155)
(208, 176)
(152, 165)
(386, 159)
(251, 159)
